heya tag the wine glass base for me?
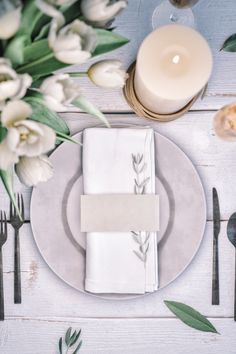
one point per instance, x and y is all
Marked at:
(166, 14)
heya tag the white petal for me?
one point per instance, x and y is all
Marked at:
(48, 83)
(48, 139)
(7, 157)
(100, 10)
(25, 83)
(12, 139)
(15, 111)
(9, 88)
(54, 104)
(50, 11)
(73, 57)
(9, 23)
(32, 170)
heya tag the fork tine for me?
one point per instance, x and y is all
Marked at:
(11, 209)
(14, 209)
(22, 208)
(1, 229)
(5, 227)
(18, 202)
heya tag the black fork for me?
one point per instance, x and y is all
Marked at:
(16, 223)
(3, 238)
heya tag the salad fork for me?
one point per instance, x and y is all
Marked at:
(3, 238)
(16, 223)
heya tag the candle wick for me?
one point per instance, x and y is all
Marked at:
(176, 59)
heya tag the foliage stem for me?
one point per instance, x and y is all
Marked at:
(78, 74)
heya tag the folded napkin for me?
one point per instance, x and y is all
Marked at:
(113, 159)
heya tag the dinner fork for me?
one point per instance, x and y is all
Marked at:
(3, 238)
(16, 223)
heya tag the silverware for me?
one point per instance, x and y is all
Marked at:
(3, 238)
(16, 223)
(216, 231)
(231, 232)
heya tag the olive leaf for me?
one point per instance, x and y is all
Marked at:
(230, 44)
(190, 316)
(70, 340)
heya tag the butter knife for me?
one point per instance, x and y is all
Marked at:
(216, 231)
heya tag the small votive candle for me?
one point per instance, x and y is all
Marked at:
(173, 65)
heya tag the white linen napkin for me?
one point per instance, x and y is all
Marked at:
(112, 160)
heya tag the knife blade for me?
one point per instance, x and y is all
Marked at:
(216, 231)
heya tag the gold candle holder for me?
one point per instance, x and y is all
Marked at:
(141, 111)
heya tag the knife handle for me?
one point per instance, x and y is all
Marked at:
(215, 274)
(235, 291)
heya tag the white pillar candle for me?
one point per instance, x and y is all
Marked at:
(174, 63)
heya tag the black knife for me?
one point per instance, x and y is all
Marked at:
(216, 231)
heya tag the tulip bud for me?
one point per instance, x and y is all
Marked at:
(32, 170)
(108, 74)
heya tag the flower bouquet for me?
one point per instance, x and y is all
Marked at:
(37, 38)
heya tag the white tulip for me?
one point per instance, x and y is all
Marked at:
(74, 43)
(24, 137)
(10, 18)
(108, 74)
(101, 12)
(12, 85)
(59, 91)
(32, 170)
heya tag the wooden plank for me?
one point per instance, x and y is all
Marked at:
(144, 336)
(215, 20)
(44, 294)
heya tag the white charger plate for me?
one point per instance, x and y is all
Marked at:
(55, 214)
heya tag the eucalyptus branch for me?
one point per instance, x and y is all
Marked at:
(71, 342)
(141, 238)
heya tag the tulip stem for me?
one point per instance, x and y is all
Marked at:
(79, 74)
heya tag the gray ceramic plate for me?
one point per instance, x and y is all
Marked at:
(55, 214)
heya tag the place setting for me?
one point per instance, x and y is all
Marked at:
(118, 211)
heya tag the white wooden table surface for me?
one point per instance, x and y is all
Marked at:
(142, 326)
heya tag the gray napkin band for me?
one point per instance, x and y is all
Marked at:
(119, 213)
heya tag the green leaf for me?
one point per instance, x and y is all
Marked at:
(60, 345)
(42, 114)
(15, 49)
(88, 107)
(42, 66)
(30, 16)
(108, 41)
(64, 137)
(190, 317)
(74, 340)
(43, 33)
(3, 133)
(230, 44)
(7, 179)
(36, 50)
(78, 348)
(67, 337)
